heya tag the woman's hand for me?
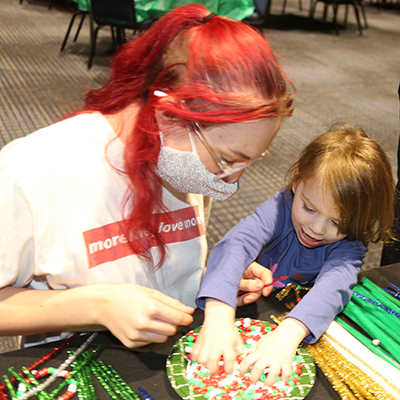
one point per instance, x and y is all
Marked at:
(256, 281)
(275, 351)
(218, 337)
(137, 315)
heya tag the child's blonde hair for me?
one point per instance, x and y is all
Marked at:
(357, 174)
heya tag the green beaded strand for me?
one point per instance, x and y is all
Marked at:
(87, 359)
(119, 381)
(85, 389)
(42, 395)
(9, 387)
(112, 382)
(103, 381)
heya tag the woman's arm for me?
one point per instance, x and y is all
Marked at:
(134, 314)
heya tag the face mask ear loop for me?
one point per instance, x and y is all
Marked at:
(160, 134)
(192, 143)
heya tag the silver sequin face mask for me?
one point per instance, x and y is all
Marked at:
(185, 172)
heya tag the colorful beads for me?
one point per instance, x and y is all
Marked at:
(222, 386)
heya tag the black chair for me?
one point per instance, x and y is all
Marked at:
(82, 8)
(119, 15)
(357, 5)
(260, 17)
(284, 6)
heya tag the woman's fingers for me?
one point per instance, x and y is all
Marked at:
(137, 315)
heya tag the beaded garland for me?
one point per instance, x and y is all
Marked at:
(40, 361)
(72, 383)
(79, 379)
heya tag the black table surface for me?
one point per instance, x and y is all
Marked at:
(145, 367)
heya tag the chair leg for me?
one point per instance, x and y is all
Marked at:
(357, 18)
(283, 7)
(93, 47)
(69, 30)
(325, 11)
(113, 35)
(313, 5)
(363, 14)
(80, 25)
(93, 38)
(335, 27)
(346, 13)
(300, 5)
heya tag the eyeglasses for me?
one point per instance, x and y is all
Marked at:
(227, 170)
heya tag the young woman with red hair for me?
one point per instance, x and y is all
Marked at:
(112, 203)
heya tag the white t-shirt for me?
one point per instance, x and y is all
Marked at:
(60, 208)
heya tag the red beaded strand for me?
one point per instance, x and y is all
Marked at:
(4, 396)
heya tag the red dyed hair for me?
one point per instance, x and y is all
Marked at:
(222, 71)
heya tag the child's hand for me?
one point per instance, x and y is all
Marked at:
(275, 351)
(218, 337)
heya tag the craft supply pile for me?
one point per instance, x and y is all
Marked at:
(77, 374)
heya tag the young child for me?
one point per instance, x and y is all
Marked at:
(315, 232)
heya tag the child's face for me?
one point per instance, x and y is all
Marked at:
(314, 217)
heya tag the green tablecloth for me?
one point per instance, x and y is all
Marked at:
(235, 9)
(147, 9)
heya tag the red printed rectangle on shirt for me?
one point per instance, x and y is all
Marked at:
(109, 242)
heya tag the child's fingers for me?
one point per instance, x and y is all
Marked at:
(273, 373)
(258, 368)
(229, 360)
(247, 362)
(286, 372)
(210, 362)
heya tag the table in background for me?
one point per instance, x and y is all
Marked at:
(145, 366)
(153, 9)
(235, 9)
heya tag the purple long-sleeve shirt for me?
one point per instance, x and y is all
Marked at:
(268, 236)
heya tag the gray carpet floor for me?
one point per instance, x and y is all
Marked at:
(345, 77)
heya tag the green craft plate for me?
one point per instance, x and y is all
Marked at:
(177, 362)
